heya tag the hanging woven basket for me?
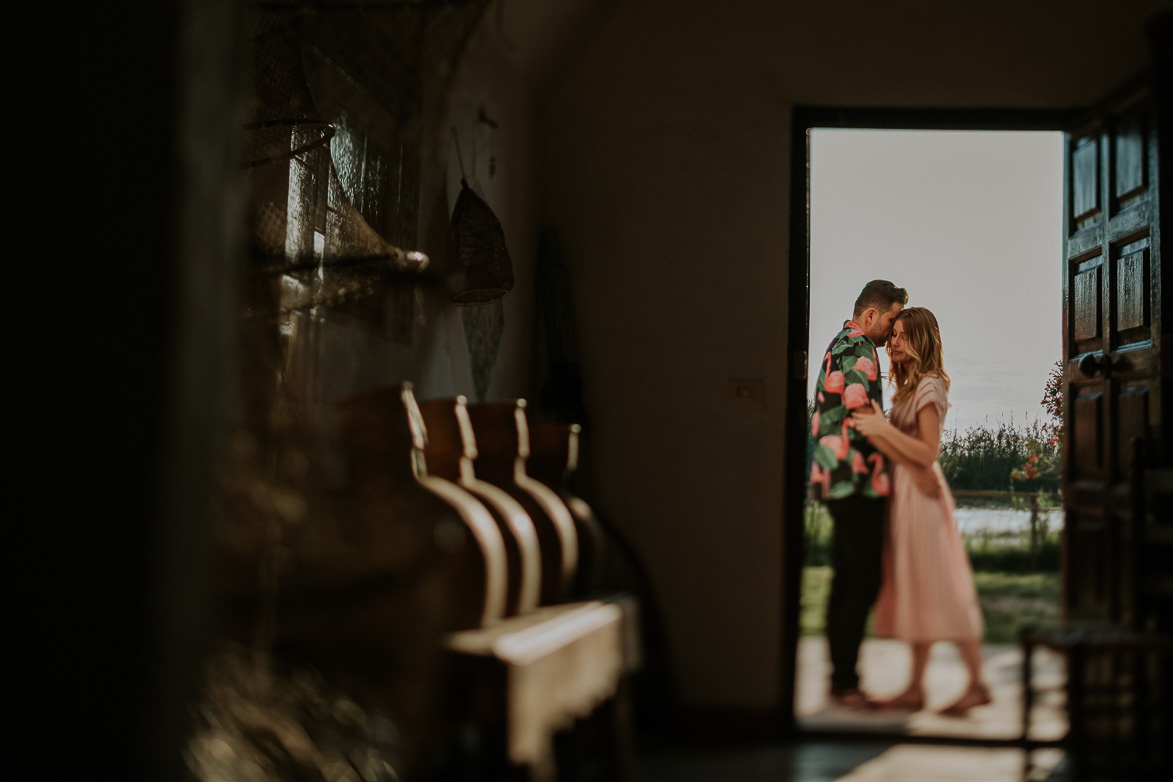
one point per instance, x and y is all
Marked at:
(476, 250)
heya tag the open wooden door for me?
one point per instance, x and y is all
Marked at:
(1112, 304)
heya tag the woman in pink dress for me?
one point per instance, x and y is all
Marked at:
(928, 593)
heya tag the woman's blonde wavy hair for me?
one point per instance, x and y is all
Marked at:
(922, 342)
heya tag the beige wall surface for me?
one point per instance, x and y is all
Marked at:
(667, 177)
(500, 167)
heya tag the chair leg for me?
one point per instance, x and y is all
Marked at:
(1076, 714)
(1027, 704)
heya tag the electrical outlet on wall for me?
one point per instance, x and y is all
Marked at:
(747, 392)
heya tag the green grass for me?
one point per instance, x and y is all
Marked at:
(817, 529)
(1013, 587)
(1008, 600)
(816, 586)
(988, 553)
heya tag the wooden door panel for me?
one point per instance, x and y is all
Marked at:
(1088, 581)
(1087, 433)
(1129, 161)
(1131, 321)
(1086, 306)
(1111, 339)
(1085, 182)
(1132, 419)
(1133, 220)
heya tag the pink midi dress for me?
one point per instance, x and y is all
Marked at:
(927, 592)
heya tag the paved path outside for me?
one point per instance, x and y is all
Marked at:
(884, 671)
(858, 758)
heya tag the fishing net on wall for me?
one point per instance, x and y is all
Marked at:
(396, 56)
(338, 96)
(338, 93)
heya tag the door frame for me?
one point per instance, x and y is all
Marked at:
(803, 119)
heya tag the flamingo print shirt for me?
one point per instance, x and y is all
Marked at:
(845, 464)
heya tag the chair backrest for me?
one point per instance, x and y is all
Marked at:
(503, 446)
(553, 459)
(458, 548)
(451, 452)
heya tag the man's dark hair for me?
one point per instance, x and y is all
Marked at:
(880, 294)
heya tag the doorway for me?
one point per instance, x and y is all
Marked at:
(930, 202)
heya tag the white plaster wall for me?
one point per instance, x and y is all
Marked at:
(485, 81)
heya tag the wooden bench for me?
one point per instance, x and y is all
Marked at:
(522, 660)
(543, 670)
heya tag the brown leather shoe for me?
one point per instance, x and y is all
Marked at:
(905, 701)
(978, 695)
(853, 698)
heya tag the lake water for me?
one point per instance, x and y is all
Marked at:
(1002, 521)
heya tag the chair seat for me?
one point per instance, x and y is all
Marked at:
(1115, 676)
(541, 671)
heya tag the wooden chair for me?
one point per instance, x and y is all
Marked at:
(1116, 692)
(553, 459)
(503, 447)
(518, 684)
(451, 452)
(1120, 675)
(392, 562)
(554, 670)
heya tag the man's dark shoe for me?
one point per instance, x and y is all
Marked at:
(853, 698)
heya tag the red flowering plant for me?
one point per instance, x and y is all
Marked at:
(1044, 440)
(1028, 471)
(1053, 404)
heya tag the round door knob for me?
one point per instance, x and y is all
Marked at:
(1094, 363)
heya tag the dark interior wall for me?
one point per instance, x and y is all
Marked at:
(198, 305)
(132, 358)
(669, 181)
(145, 381)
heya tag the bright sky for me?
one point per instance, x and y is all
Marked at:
(971, 224)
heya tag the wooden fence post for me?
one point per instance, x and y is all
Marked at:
(1034, 529)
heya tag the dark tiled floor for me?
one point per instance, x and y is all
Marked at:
(860, 755)
(839, 761)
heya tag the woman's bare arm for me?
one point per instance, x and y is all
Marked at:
(919, 451)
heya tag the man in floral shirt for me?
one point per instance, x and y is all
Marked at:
(850, 476)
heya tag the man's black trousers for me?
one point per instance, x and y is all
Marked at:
(857, 543)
